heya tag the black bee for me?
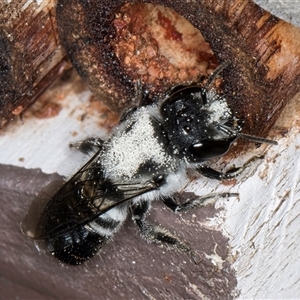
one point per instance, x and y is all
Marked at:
(146, 158)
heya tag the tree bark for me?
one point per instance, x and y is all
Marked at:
(31, 57)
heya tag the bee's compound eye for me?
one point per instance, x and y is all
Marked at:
(210, 148)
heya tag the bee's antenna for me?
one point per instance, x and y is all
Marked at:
(257, 139)
(216, 72)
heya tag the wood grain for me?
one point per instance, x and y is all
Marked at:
(30, 54)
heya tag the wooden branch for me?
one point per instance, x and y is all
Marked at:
(264, 52)
(30, 55)
(263, 49)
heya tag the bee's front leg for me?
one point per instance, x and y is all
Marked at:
(214, 174)
(231, 173)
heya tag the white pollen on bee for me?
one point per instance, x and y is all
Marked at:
(218, 108)
(136, 143)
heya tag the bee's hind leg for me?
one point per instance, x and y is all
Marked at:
(155, 233)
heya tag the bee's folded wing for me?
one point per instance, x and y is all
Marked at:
(64, 207)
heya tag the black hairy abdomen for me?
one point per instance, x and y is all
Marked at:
(79, 252)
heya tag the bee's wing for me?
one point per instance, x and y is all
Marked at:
(77, 202)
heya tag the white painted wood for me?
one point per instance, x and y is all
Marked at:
(265, 225)
(287, 10)
(44, 143)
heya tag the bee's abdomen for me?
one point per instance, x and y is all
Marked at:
(104, 226)
(80, 251)
(85, 242)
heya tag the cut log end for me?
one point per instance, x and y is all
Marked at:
(263, 51)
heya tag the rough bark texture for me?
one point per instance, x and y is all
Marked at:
(30, 54)
(263, 49)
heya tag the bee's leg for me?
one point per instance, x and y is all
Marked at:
(193, 203)
(88, 145)
(154, 233)
(231, 173)
(214, 174)
(140, 99)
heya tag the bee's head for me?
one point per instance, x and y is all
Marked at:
(198, 123)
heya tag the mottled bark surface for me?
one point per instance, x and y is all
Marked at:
(264, 51)
(30, 55)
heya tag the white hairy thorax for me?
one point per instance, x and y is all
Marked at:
(128, 149)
